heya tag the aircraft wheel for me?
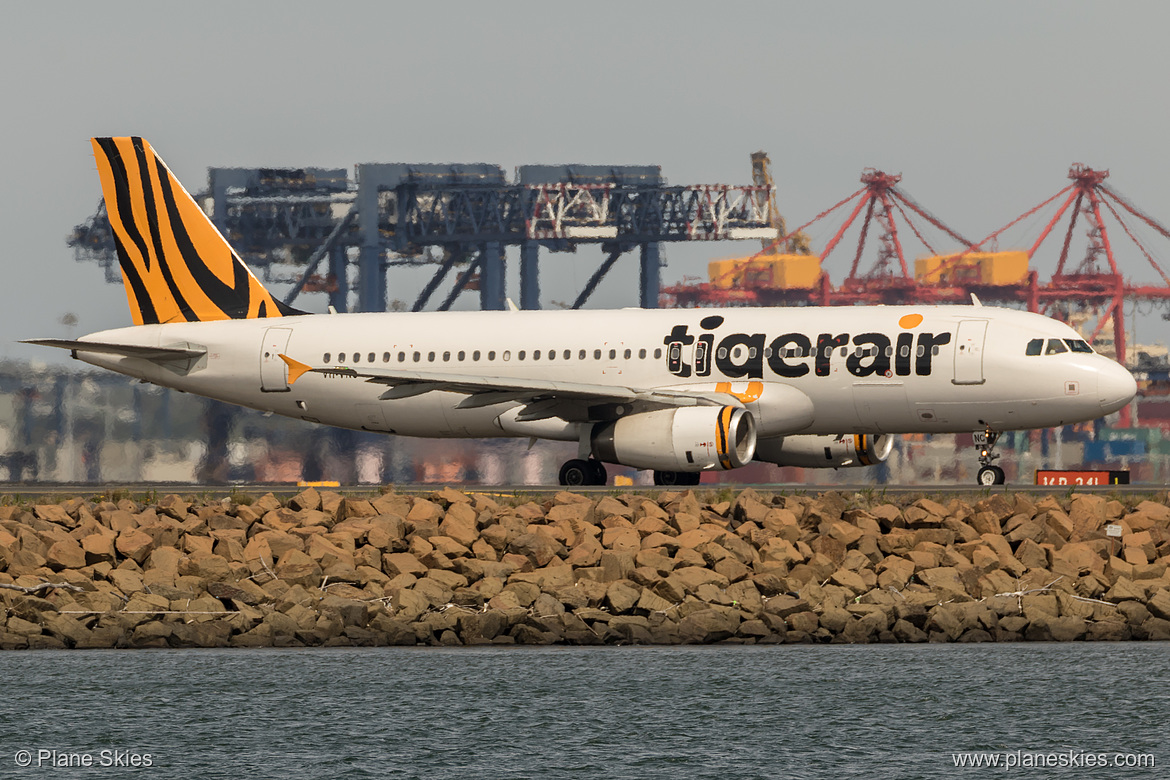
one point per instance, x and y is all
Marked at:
(598, 475)
(676, 478)
(991, 475)
(576, 473)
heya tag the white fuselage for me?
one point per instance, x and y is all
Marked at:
(883, 369)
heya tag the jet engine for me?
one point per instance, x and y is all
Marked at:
(691, 438)
(822, 452)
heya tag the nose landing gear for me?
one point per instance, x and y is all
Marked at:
(989, 474)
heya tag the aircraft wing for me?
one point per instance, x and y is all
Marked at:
(125, 350)
(555, 398)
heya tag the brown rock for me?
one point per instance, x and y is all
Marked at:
(943, 580)
(65, 554)
(423, 511)
(708, 625)
(297, 567)
(460, 524)
(539, 548)
(1107, 631)
(1159, 604)
(308, 498)
(207, 566)
(395, 564)
(1087, 515)
(1125, 590)
(134, 544)
(127, 582)
(1031, 555)
(850, 580)
(621, 596)
(54, 513)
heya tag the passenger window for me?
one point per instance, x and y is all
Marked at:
(752, 352)
(417, 356)
(642, 354)
(520, 355)
(858, 352)
(430, 357)
(370, 357)
(357, 357)
(475, 355)
(569, 354)
(721, 353)
(1055, 347)
(597, 354)
(889, 351)
(401, 357)
(844, 351)
(1035, 347)
(627, 354)
(921, 351)
(340, 357)
(492, 355)
(508, 355)
(658, 353)
(581, 355)
(446, 356)
(934, 351)
(385, 357)
(325, 359)
(462, 355)
(905, 350)
(1076, 345)
(552, 354)
(612, 354)
(535, 354)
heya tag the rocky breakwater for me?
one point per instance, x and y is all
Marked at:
(459, 568)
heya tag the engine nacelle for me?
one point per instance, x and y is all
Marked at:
(826, 452)
(691, 438)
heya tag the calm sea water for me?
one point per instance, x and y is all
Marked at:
(690, 712)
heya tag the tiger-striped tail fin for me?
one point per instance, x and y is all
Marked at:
(176, 265)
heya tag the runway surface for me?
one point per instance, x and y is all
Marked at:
(29, 491)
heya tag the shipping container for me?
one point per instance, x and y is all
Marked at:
(990, 268)
(783, 272)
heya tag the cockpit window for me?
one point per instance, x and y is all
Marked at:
(1035, 347)
(1055, 347)
(1076, 345)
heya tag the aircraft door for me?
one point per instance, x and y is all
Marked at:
(969, 352)
(273, 370)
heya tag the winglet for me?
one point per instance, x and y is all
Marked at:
(296, 369)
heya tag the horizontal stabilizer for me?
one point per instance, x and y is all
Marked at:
(126, 350)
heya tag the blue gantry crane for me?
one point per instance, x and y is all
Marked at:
(321, 223)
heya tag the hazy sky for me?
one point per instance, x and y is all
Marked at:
(980, 106)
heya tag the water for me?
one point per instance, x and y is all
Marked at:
(688, 712)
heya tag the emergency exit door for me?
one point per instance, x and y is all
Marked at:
(273, 370)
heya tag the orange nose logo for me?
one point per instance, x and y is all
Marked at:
(910, 321)
(753, 392)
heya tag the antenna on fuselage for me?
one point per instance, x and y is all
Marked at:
(975, 300)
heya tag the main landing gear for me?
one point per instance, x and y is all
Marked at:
(989, 474)
(580, 473)
(676, 478)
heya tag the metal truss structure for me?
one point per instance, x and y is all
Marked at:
(317, 224)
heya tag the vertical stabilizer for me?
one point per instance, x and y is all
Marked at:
(175, 264)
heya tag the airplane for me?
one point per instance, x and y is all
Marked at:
(676, 391)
